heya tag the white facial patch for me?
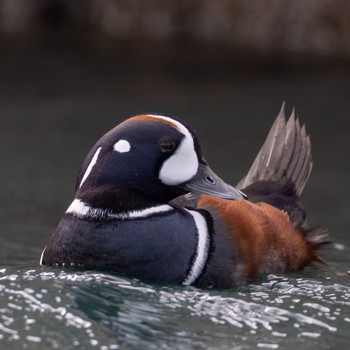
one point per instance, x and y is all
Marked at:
(183, 164)
(122, 146)
(91, 165)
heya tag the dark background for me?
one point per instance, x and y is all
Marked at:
(72, 70)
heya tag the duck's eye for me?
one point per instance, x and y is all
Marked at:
(167, 146)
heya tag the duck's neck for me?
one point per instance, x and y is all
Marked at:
(116, 200)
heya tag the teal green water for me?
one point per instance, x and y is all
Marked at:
(55, 104)
(43, 308)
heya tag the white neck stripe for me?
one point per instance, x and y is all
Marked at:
(81, 210)
(91, 165)
(202, 248)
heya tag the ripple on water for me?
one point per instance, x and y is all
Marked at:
(43, 308)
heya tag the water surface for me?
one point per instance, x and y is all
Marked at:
(46, 308)
(54, 104)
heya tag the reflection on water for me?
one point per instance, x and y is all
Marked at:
(74, 309)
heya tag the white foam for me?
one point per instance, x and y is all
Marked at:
(91, 165)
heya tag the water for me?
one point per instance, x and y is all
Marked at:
(54, 104)
(47, 308)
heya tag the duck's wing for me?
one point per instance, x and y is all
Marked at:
(281, 169)
(285, 157)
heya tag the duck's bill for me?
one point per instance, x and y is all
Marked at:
(207, 182)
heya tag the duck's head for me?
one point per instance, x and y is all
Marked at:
(156, 156)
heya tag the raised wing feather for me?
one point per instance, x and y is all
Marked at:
(285, 156)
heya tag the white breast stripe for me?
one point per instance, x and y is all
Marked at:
(202, 248)
(91, 165)
(81, 210)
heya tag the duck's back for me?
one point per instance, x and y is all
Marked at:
(259, 238)
(267, 232)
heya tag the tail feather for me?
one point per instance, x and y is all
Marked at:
(285, 156)
(317, 238)
(279, 174)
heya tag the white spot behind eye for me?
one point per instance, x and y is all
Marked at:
(91, 165)
(122, 146)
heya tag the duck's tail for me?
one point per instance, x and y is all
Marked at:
(280, 171)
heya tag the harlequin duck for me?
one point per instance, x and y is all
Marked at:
(147, 205)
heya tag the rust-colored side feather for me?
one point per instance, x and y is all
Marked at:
(263, 236)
